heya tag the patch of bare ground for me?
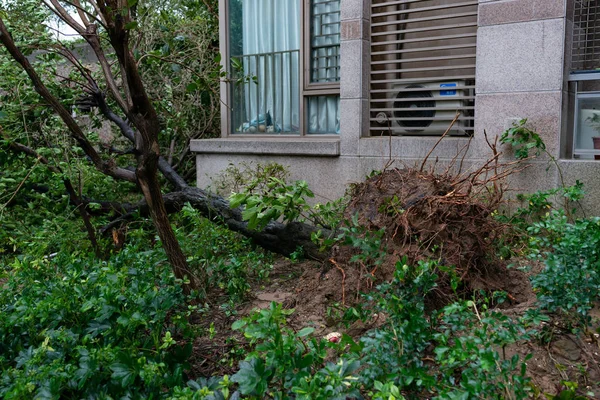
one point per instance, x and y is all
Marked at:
(314, 291)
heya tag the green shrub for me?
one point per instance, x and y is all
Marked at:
(229, 259)
(286, 362)
(75, 327)
(464, 341)
(278, 200)
(571, 254)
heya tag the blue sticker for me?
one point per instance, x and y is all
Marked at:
(448, 92)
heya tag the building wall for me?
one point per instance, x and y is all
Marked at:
(520, 74)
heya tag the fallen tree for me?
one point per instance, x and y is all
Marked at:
(120, 95)
(112, 22)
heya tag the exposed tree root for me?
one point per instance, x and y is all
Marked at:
(426, 215)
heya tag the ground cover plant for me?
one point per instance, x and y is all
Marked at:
(73, 326)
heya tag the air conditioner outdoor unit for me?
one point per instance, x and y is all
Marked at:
(435, 106)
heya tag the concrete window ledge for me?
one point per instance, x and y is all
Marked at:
(274, 146)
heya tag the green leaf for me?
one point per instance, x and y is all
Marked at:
(440, 351)
(123, 374)
(237, 199)
(131, 25)
(239, 324)
(488, 362)
(192, 87)
(252, 377)
(306, 331)
(305, 361)
(95, 328)
(236, 63)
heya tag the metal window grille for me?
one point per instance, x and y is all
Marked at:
(422, 66)
(585, 55)
(325, 41)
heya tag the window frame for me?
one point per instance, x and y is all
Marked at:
(575, 78)
(313, 88)
(307, 89)
(578, 73)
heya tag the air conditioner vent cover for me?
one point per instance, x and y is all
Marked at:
(414, 101)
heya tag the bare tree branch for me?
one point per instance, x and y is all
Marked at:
(108, 167)
(95, 5)
(64, 15)
(73, 196)
(89, 33)
(163, 165)
(80, 11)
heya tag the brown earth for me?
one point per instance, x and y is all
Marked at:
(315, 295)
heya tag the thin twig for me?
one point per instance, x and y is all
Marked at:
(22, 182)
(439, 140)
(331, 260)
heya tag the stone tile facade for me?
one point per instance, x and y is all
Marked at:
(521, 73)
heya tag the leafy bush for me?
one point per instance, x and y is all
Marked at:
(278, 200)
(247, 177)
(75, 327)
(265, 194)
(523, 140)
(464, 342)
(571, 254)
(286, 362)
(229, 259)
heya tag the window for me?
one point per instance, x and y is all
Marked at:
(273, 44)
(585, 78)
(422, 66)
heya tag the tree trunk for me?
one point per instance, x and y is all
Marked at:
(150, 187)
(141, 113)
(279, 238)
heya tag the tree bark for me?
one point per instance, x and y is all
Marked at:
(279, 238)
(142, 114)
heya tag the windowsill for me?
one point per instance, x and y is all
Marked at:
(592, 75)
(267, 145)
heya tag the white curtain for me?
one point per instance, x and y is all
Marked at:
(324, 114)
(271, 44)
(325, 39)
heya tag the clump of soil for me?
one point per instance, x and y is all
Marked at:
(428, 216)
